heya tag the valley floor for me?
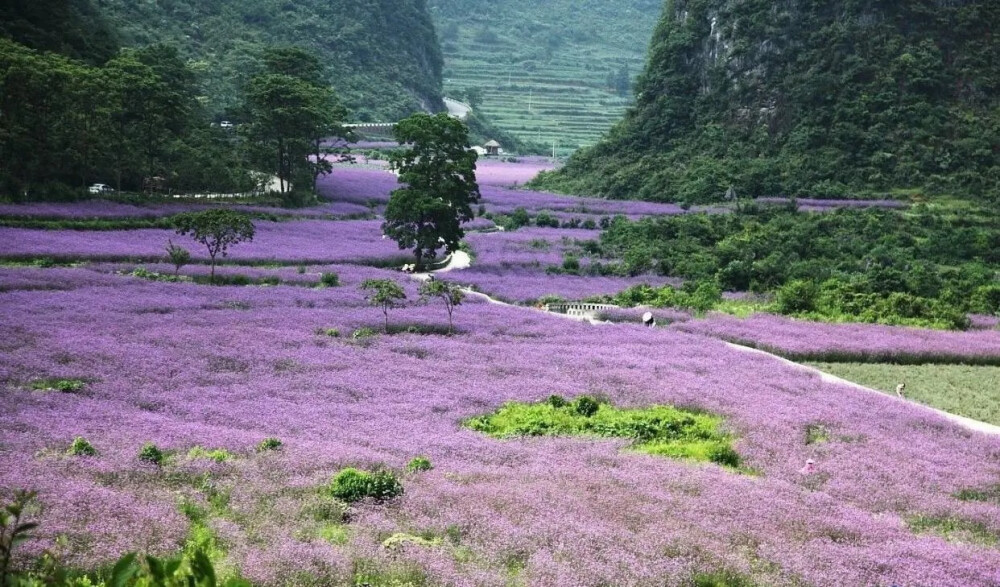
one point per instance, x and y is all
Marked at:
(897, 494)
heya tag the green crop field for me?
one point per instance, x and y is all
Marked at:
(556, 74)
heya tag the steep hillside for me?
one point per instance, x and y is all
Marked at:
(382, 55)
(807, 97)
(549, 71)
(74, 28)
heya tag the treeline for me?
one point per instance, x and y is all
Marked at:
(876, 265)
(136, 123)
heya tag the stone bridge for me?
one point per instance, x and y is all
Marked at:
(456, 109)
(579, 309)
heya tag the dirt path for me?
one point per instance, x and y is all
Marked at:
(459, 110)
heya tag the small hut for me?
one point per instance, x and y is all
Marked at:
(492, 149)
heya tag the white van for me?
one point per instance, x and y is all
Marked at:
(100, 188)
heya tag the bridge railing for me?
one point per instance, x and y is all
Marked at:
(578, 307)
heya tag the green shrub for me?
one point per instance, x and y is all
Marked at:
(571, 264)
(797, 296)
(151, 454)
(363, 333)
(586, 406)
(419, 464)
(353, 485)
(986, 300)
(329, 280)
(81, 447)
(518, 218)
(218, 455)
(179, 256)
(269, 444)
(301, 269)
(556, 401)
(544, 219)
(331, 332)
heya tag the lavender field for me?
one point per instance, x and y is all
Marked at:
(206, 373)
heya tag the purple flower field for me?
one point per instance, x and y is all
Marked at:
(527, 284)
(108, 210)
(302, 241)
(803, 340)
(184, 365)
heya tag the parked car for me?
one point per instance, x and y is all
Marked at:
(226, 124)
(100, 188)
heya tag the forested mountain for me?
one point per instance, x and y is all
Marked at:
(807, 97)
(382, 56)
(75, 28)
(556, 70)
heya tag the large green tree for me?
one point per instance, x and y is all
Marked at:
(438, 172)
(290, 110)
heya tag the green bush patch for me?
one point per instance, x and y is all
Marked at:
(63, 385)
(657, 430)
(219, 455)
(81, 448)
(353, 485)
(269, 444)
(420, 463)
(151, 453)
(989, 494)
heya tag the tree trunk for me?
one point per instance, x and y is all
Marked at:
(211, 277)
(385, 310)
(419, 254)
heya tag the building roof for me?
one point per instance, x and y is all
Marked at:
(492, 144)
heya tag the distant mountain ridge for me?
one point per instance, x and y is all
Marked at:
(382, 56)
(807, 97)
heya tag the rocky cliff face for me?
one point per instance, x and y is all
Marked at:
(807, 97)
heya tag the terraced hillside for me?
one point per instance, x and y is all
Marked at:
(554, 72)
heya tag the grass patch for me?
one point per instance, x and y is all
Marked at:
(989, 494)
(219, 455)
(817, 434)
(62, 385)
(954, 529)
(970, 391)
(657, 430)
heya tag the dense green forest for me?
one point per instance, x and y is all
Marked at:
(136, 122)
(555, 71)
(917, 267)
(75, 28)
(382, 57)
(807, 98)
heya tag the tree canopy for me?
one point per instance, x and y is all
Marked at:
(438, 172)
(217, 229)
